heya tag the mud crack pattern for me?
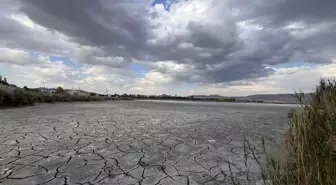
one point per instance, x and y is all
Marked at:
(130, 142)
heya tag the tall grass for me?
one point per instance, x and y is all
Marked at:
(310, 159)
(310, 143)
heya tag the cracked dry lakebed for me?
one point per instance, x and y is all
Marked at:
(132, 142)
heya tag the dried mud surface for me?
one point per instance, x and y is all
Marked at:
(131, 142)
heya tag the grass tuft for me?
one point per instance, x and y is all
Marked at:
(310, 142)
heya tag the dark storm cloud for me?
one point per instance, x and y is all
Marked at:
(290, 31)
(238, 71)
(116, 25)
(282, 12)
(266, 46)
(121, 29)
(206, 44)
(15, 35)
(201, 36)
(293, 30)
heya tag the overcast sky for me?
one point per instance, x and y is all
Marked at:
(184, 47)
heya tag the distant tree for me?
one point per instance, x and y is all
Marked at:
(5, 80)
(25, 88)
(60, 90)
(0, 78)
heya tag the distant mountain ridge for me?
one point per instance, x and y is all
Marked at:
(271, 98)
(279, 98)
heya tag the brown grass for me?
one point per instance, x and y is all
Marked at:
(310, 142)
(310, 149)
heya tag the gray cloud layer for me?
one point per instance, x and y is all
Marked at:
(247, 37)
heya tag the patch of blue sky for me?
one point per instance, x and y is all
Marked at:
(295, 64)
(165, 3)
(66, 61)
(139, 70)
(5, 70)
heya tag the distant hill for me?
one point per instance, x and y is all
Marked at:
(271, 98)
(278, 98)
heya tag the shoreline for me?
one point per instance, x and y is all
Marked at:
(149, 100)
(265, 102)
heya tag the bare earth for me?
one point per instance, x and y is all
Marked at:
(133, 142)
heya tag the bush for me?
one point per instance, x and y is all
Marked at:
(5, 97)
(60, 90)
(65, 98)
(56, 98)
(98, 98)
(46, 98)
(22, 97)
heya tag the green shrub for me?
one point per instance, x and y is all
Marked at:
(8, 99)
(66, 98)
(82, 98)
(22, 97)
(5, 97)
(56, 98)
(18, 98)
(39, 97)
(47, 98)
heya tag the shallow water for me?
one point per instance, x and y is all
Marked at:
(132, 142)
